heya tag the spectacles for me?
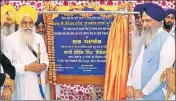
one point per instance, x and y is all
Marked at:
(147, 20)
(26, 24)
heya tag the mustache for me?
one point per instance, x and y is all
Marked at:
(27, 28)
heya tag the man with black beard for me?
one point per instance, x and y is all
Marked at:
(168, 23)
(168, 51)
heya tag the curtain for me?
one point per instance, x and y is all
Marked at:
(117, 60)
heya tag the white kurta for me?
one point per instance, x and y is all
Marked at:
(26, 81)
(136, 73)
(167, 57)
(135, 40)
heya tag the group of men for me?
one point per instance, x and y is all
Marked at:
(153, 54)
(20, 72)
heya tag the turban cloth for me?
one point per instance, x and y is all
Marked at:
(138, 8)
(10, 10)
(26, 11)
(155, 11)
(170, 11)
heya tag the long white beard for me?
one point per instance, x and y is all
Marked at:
(27, 36)
(149, 33)
(8, 30)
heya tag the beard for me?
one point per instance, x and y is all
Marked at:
(27, 37)
(168, 25)
(138, 30)
(149, 33)
(7, 30)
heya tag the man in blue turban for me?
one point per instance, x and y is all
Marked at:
(138, 27)
(40, 27)
(168, 24)
(168, 51)
(146, 67)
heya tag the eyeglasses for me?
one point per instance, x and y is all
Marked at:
(26, 24)
(147, 20)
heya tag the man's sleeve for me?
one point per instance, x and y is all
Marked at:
(10, 54)
(129, 82)
(2, 79)
(45, 55)
(8, 67)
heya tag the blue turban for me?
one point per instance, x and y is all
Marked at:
(170, 11)
(154, 11)
(88, 9)
(39, 20)
(138, 8)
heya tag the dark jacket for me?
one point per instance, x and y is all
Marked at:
(8, 68)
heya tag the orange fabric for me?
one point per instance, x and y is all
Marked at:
(116, 60)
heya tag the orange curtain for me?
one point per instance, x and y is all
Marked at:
(117, 60)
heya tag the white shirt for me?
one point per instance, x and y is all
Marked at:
(136, 72)
(26, 81)
(135, 41)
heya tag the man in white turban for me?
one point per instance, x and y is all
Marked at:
(8, 12)
(22, 51)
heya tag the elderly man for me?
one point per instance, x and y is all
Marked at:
(9, 22)
(147, 67)
(138, 27)
(22, 51)
(6, 78)
(168, 24)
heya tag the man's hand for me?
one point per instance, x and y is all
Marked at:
(43, 65)
(130, 92)
(138, 94)
(170, 79)
(12, 89)
(7, 94)
(9, 82)
(34, 67)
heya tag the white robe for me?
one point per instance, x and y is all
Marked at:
(26, 81)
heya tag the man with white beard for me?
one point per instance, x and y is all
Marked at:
(138, 27)
(146, 68)
(22, 51)
(9, 22)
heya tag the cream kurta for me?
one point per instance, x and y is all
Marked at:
(26, 81)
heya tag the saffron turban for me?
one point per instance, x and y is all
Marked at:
(10, 10)
(26, 11)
